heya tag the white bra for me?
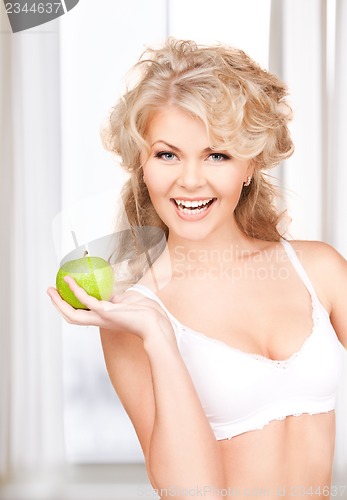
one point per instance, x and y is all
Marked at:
(240, 392)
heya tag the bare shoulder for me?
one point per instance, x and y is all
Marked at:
(327, 269)
(319, 255)
(323, 263)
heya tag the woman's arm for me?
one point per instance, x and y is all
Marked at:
(157, 392)
(334, 270)
(327, 269)
(183, 450)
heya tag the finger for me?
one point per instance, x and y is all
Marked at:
(90, 302)
(59, 311)
(70, 314)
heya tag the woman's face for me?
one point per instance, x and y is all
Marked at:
(193, 189)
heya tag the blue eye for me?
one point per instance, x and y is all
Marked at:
(218, 157)
(165, 155)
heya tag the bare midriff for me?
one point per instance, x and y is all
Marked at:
(286, 459)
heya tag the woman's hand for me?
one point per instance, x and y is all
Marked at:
(128, 312)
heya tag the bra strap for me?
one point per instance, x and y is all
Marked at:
(151, 295)
(294, 259)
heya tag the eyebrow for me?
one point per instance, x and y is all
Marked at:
(175, 148)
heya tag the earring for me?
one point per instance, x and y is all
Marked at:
(248, 181)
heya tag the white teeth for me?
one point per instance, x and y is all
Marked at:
(193, 204)
(192, 207)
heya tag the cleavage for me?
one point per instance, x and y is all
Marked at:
(275, 325)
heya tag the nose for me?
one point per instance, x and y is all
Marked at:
(191, 175)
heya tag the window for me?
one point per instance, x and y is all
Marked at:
(98, 46)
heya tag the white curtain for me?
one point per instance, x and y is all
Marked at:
(308, 41)
(31, 431)
(307, 49)
(338, 134)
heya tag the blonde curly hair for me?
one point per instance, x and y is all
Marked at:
(242, 106)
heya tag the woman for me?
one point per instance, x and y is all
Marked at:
(242, 400)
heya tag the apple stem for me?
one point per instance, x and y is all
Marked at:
(85, 253)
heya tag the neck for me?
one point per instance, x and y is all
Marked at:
(191, 254)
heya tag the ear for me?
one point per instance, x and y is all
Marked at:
(250, 171)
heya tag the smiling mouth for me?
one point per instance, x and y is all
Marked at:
(193, 207)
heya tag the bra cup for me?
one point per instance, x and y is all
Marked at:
(241, 392)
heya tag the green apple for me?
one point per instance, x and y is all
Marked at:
(93, 274)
